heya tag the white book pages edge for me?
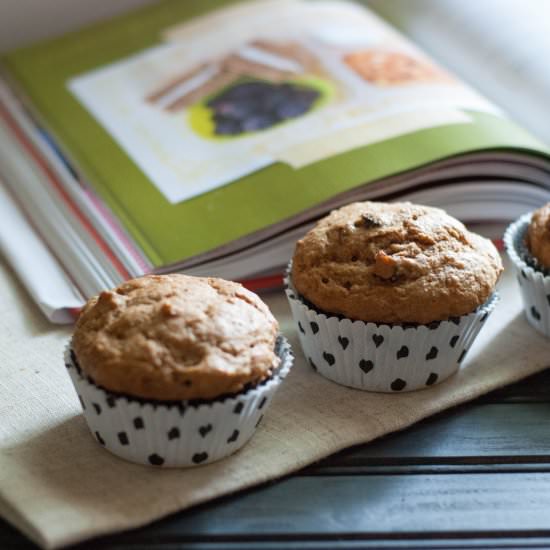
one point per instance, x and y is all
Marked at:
(35, 265)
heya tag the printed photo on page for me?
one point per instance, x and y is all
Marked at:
(263, 82)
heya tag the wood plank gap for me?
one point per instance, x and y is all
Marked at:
(430, 539)
(541, 462)
(503, 544)
(411, 470)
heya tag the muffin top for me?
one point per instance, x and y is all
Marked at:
(174, 337)
(394, 263)
(538, 235)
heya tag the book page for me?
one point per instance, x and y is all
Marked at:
(22, 247)
(501, 47)
(239, 89)
(366, 104)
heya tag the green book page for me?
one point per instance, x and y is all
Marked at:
(169, 232)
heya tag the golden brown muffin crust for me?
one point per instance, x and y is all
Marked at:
(394, 263)
(174, 337)
(538, 235)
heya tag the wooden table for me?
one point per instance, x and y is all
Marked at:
(477, 477)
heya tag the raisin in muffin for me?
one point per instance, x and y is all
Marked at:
(398, 265)
(173, 370)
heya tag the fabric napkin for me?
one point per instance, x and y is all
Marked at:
(58, 486)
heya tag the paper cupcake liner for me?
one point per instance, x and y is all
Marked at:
(534, 282)
(381, 357)
(174, 434)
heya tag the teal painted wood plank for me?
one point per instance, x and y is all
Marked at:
(367, 506)
(148, 539)
(520, 432)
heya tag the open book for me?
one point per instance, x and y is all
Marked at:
(181, 138)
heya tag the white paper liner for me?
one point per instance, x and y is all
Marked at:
(534, 285)
(175, 434)
(380, 357)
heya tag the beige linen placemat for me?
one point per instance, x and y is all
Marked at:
(59, 486)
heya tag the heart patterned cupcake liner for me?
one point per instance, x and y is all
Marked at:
(380, 357)
(175, 434)
(533, 280)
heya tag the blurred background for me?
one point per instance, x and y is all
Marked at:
(24, 21)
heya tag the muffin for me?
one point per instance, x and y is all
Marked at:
(538, 237)
(389, 297)
(527, 243)
(173, 370)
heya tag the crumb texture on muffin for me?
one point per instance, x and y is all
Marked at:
(394, 263)
(174, 337)
(538, 235)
